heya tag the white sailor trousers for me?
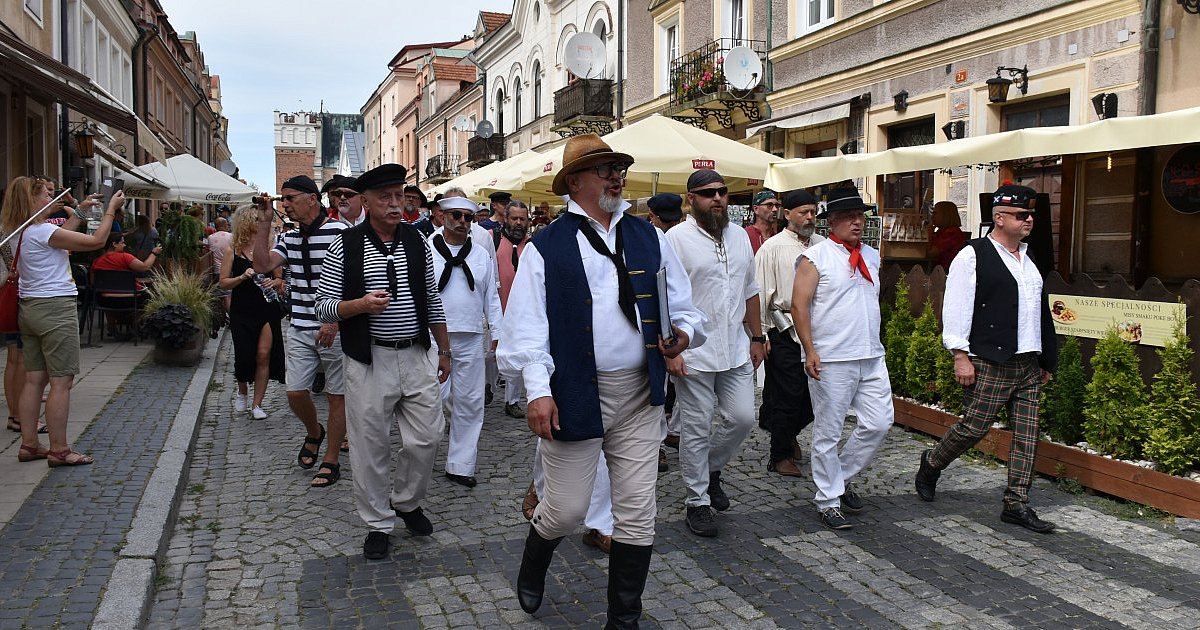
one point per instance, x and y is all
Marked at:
(465, 389)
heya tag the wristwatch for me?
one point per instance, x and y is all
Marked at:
(444, 353)
(758, 340)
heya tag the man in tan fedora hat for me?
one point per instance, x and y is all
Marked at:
(582, 329)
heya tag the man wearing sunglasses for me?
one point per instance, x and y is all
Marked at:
(345, 204)
(766, 214)
(996, 322)
(720, 264)
(582, 329)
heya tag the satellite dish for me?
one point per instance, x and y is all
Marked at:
(485, 129)
(228, 167)
(585, 56)
(743, 69)
(462, 123)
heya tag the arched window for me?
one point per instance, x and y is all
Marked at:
(600, 29)
(500, 110)
(516, 90)
(537, 90)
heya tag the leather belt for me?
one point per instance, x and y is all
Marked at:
(396, 344)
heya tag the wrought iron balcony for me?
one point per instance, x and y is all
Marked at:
(441, 168)
(700, 92)
(584, 106)
(482, 151)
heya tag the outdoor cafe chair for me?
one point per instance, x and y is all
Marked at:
(114, 292)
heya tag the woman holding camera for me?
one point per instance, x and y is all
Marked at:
(47, 316)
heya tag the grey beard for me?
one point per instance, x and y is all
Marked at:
(610, 203)
(712, 222)
(514, 235)
(806, 231)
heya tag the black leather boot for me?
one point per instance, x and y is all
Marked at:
(531, 581)
(628, 566)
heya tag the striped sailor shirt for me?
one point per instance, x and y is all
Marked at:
(304, 259)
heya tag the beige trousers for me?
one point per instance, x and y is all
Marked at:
(400, 386)
(632, 433)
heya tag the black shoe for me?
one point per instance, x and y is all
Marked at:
(535, 561)
(927, 478)
(318, 385)
(514, 411)
(851, 501)
(1023, 515)
(663, 466)
(700, 520)
(833, 519)
(716, 494)
(487, 394)
(628, 566)
(416, 522)
(376, 546)
(462, 480)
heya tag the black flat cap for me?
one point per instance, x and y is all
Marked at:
(666, 206)
(380, 176)
(337, 181)
(417, 191)
(501, 196)
(303, 183)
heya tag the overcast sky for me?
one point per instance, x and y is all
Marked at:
(275, 54)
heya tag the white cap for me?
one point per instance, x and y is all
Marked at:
(458, 203)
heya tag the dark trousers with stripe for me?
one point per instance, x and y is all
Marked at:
(786, 407)
(1015, 385)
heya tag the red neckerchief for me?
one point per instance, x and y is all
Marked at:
(856, 258)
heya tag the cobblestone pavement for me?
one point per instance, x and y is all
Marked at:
(255, 547)
(60, 548)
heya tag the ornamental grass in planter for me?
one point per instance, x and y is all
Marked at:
(177, 316)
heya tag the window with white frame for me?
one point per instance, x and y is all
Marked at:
(668, 51)
(814, 14)
(516, 92)
(102, 60)
(34, 8)
(734, 20)
(87, 45)
(537, 90)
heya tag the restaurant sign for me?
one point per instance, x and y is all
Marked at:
(1136, 321)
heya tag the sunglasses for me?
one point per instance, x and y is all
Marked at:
(1020, 215)
(459, 215)
(709, 193)
(343, 194)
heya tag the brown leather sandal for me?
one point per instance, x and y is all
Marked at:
(31, 453)
(54, 459)
(530, 503)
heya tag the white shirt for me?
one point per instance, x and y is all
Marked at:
(524, 348)
(775, 269)
(845, 306)
(722, 279)
(465, 309)
(958, 305)
(42, 269)
(362, 216)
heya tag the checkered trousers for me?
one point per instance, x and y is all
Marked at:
(1015, 384)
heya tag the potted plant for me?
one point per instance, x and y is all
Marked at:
(178, 315)
(181, 237)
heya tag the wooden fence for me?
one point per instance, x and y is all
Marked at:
(932, 285)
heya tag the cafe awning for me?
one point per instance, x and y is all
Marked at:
(803, 120)
(190, 180)
(1114, 134)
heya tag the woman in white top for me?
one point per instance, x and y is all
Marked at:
(47, 318)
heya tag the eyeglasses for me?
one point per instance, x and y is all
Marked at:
(709, 193)
(771, 204)
(1020, 215)
(607, 171)
(343, 194)
(459, 215)
(289, 198)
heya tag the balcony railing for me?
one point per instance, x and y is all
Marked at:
(441, 167)
(481, 151)
(584, 97)
(698, 75)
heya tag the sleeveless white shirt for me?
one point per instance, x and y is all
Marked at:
(845, 306)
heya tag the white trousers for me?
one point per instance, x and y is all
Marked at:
(464, 392)
(599, 512)
(862, 385)
(707, 444)
(399, 386)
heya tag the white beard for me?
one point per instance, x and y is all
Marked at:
(610, 203)
(807, 231)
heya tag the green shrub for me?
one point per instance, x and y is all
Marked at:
(1174, 411)
(1062, 397)
(920, 364)
(949, 392)
(1115, 403)
(895, 340)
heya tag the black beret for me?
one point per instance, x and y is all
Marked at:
(666, 206)
(303, 183)
(500, 196)
(380, 176)
(337, 181)
(797, 198)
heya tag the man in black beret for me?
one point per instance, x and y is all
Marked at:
(500, 201)
(414, 202)
(345, 204)
(379, 286)
(996, 323)
(666, 210)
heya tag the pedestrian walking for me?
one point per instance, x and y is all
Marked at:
(510, 241)
(665, 211)
(764, 218)
(345, 204)
(499, 201)
(996, 323)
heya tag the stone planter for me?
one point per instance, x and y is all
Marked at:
(1176, 495)
(187, 356)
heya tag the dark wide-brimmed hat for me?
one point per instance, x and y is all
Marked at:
(581, 152)
(380, 176)
(337, 181)
(844, 198)
(666, 206)
(418, 192)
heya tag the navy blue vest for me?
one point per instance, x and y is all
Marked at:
(569, 313)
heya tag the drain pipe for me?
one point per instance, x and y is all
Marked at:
(1148, 88)
(621, 61)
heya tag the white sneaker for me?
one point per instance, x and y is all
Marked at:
(239, 402)
(258, 413)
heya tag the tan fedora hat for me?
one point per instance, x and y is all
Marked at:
(581, 152)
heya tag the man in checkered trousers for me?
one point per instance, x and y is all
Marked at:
(996, 322)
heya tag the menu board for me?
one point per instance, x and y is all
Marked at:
(1137, 321)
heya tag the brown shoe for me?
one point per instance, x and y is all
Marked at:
(672, 440)
(593, 538)
(798, 454)
(530, 503)
(786, 468)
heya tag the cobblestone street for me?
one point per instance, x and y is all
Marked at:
(254, 546)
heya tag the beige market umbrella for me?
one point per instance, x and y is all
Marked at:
(503, 175)
(666, 153)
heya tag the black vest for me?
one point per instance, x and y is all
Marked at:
(356, 331)
(994, 323)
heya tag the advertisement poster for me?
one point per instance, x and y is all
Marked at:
(1137, 321)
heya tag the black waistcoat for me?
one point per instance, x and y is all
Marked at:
(994, 323)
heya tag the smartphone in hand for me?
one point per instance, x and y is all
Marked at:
(108, 188)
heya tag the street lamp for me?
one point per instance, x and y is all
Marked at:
(998, 86)
(85, 141)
